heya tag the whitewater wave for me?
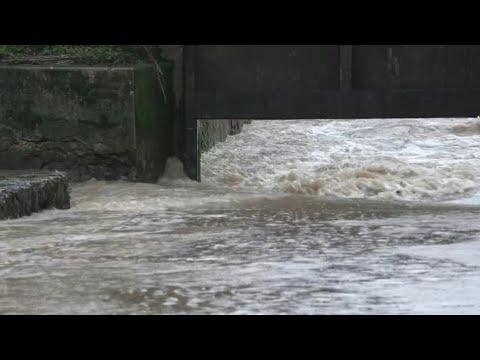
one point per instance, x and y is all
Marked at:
(405, 159)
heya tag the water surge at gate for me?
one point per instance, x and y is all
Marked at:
(413, 160)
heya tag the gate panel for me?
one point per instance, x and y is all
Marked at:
(415, 67)
(265, 81)
(326, 81)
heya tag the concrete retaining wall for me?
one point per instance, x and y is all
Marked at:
(106, 123)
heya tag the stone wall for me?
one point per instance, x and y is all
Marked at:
(102, 122)
(25, 193)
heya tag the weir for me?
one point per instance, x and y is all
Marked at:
(326, 82)
(121, 122)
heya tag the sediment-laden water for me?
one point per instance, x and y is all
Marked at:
(292, 217)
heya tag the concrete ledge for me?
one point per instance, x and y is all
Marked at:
(23, 193)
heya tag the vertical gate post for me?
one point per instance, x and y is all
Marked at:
(190, 138)
(346, 57)
(345, 105)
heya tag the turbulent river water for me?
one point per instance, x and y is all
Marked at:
(291, 217)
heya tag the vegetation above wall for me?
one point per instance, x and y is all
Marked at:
(110, 55)
(78, 54)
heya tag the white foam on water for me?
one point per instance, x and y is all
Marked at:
(405, 159)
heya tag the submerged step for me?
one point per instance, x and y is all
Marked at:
(23, 193)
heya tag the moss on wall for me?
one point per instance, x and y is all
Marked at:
(102, 122)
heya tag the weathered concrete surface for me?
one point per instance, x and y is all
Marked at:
(24, 193)
(101, 122)
(174, 54)
(211, 132)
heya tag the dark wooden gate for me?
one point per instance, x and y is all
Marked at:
(327, 82)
